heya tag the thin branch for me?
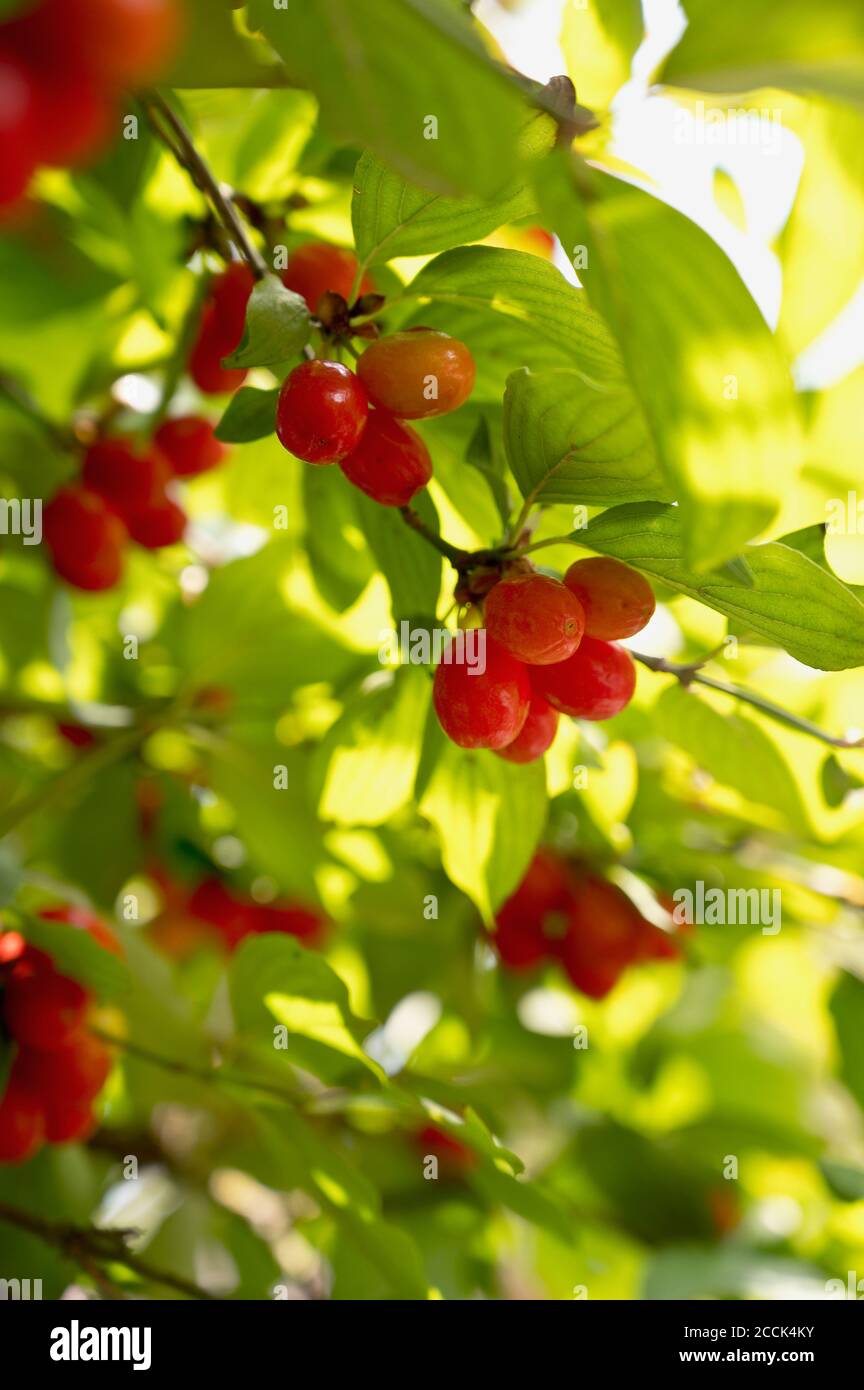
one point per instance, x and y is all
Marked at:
(92, 1248)
(456, 557)
(174, 133)
(691, 674)
(208, 1075)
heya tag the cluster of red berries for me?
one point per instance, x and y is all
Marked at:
(212, 908)
(124, 495)
(566, 913)
(63, 64)
(58, 1068)
(550, 650)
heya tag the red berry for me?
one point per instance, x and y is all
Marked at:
(618, 601)
(211, 902)
(76, 1072)
(129, 481)
(315, 268)
(535, 618)
(116, 40)
(18, 127)
(12, 947)
(604, 936)
(321, 412)
(189, 444)
(163, 523)
(75, 734)
(418, 373)
(42, 1009)
(595, 683)
(482, 710)
(229, 297)
(205, 360)
(75, 117)
(22, 1122)
(85, 538)
(451, 1153)
(67, 1119)
(390, 463)
(293, 919)
(536, 734)
(532, 921)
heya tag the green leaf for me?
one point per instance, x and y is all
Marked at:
(714, 386)
(409, 564)
(734, 749)
(523, 287)
(792, 601)
(384, 70)
(250, 415)
(489, 462)
(569, 440)
(684, 1272)
(847, 1010)
(795, 45)
(489, 815)
(821, 271)
(212, 53)
(277, 326)
(76, 954)
(10, 874)
(845, 1182)
(599, 39)
(274, 981)
(339, 559)
(394, 218)
(374, 750)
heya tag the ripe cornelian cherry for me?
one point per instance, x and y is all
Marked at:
(229, 296)
(85, 538)
(617, 600)
(532, 921)
(452, 1154)
(42, 1009)
(292, 918)
(115, 40)
(189, 444)
(75, 1072)
(315, 268)
(391, 463)
(67, 1119)
(596, 682)
(162, 523)
(22, 1122)
(535, 618)
(76, 735)
(536, 734)
(482, 710)
(321, 412)
(18, 127)
(605, 934)
(127, 479)
(75, 117)
(205, 359)
(418, 373)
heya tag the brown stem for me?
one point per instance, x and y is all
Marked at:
(690, 673)
(92, 1248)
(174, 133)
(456, 557)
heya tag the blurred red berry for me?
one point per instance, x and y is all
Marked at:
(189, 444)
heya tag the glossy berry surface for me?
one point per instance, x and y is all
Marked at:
(597, 682)
(618, 601)
(85, 538)
(22, 1122)
(482, 710)
(321, 412)
(535, 617)
(42, 1009)
(536, 734)
(417, 373)
(189, 444)
(315, 268)
(161, 524)
(391, 463)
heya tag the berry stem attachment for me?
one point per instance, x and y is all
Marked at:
(174, 133)
(691, 673)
